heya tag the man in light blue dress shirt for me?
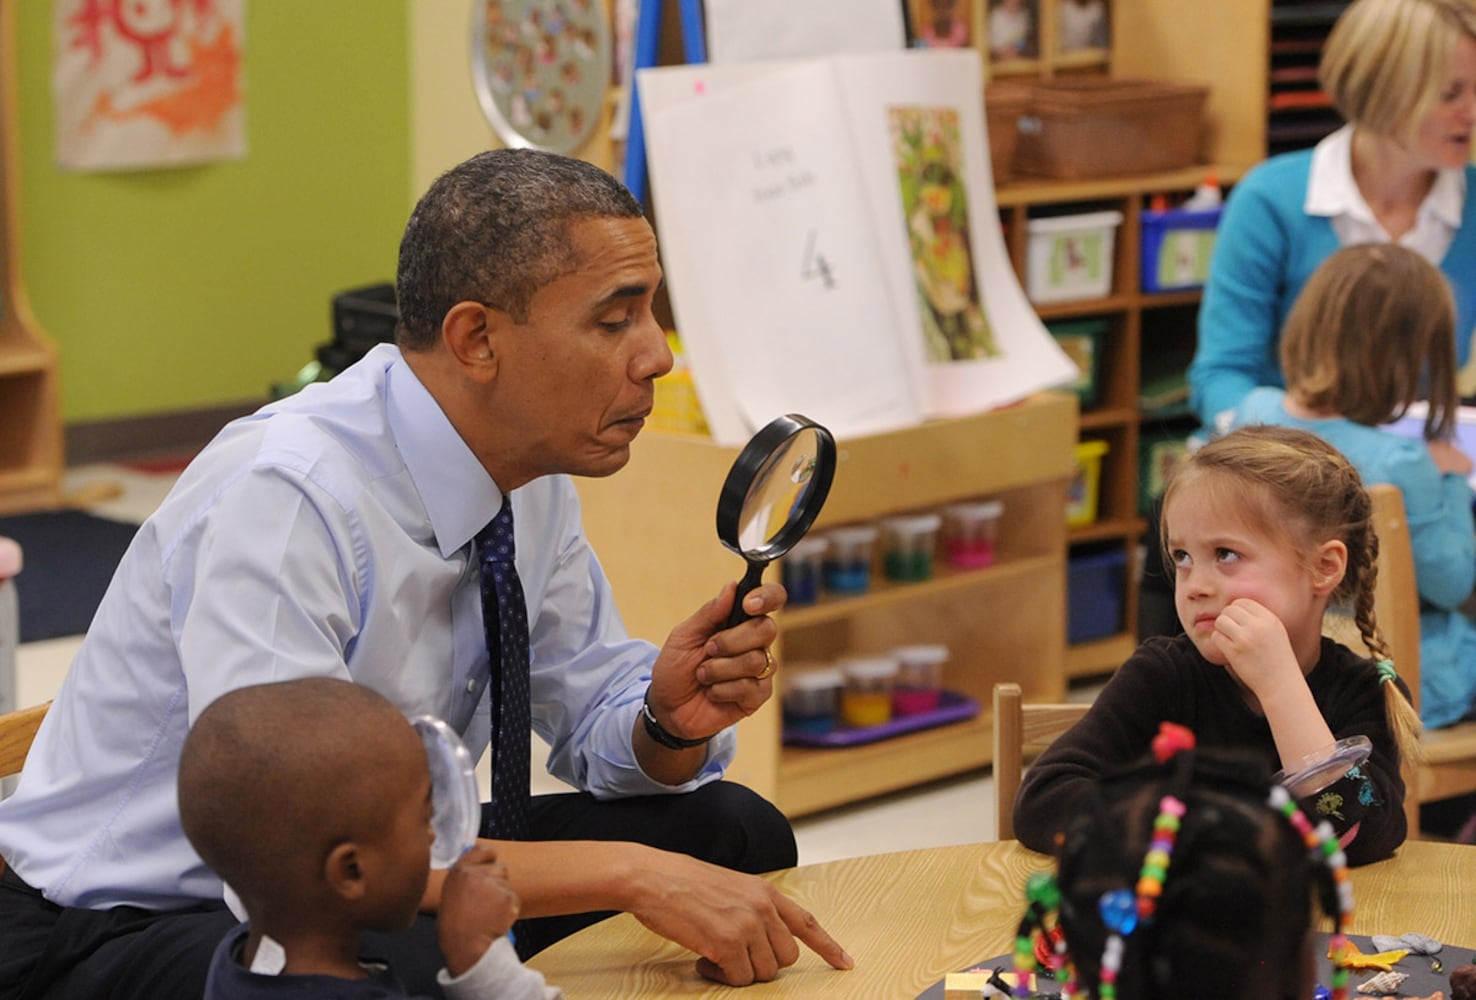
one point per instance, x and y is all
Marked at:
(331, 534)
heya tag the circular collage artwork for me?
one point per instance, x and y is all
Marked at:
(542, 69)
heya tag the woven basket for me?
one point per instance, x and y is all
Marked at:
(1004, 103)
(1085, 127)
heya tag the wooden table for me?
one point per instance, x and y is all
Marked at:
(912, 917)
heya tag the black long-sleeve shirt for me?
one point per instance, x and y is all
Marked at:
(1167, 680)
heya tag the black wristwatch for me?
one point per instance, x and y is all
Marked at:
(658, 732)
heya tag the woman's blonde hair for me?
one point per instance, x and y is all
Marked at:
(1385, 61)
(1292, 485)
(1372, 331)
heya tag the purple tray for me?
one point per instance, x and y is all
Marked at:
(952, 707)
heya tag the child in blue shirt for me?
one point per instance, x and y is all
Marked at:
(1373, 331)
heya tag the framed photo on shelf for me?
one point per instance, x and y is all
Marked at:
(1013, 30)
(1083, 27)
(940, 24)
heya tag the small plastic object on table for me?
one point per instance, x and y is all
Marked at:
(1330, 784)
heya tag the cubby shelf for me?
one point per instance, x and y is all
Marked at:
(30, 420)
(652, 525)
(1116, 416)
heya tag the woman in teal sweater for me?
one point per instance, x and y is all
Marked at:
(1403, 73)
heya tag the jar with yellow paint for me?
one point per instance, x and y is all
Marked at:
(866, 699)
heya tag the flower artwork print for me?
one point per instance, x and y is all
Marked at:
(930, 180)
(147, 83)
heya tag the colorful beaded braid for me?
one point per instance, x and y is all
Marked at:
(1122, 911)
(1324, 847)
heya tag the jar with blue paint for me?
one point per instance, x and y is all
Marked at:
(801, 569)
(846, 567)
(812, 697)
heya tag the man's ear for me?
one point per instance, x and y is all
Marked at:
(344, 872)
(1329, 566)
(468, 332)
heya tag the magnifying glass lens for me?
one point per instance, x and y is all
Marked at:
(804, 467)
(456, 807)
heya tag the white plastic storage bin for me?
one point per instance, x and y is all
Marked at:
(1070, 256)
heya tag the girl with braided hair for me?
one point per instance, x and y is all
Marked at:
(1186, 875)
(1265, 528)
(1373, 331)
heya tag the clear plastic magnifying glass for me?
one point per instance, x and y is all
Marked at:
(456, 807)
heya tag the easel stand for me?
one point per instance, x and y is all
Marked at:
(647, 42)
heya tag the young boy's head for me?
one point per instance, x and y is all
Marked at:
(311, 799)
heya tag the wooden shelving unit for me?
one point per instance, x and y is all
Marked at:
(1250, 66)
(652, 525)
(30, 420)
(1138, 324)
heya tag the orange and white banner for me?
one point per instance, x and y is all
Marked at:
(147, 83)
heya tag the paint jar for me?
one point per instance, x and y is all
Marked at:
(866, 699)
(919, 685)
(812, 696)
(970, 531)
(910, 540)
(800, 569)
(847, 562)
(1332, 783)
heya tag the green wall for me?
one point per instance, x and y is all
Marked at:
(200, 286)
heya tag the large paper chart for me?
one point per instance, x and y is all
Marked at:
(831, 242)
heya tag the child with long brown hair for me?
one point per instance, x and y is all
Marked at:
(1265, 528)
(1372, 332)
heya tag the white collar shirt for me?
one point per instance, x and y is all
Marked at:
(329, 534)
(1332, 192)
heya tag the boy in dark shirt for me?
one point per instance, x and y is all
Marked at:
(312, 800)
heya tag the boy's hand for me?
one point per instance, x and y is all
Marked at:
(478, 906)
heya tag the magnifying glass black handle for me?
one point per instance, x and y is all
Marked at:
(751, 578)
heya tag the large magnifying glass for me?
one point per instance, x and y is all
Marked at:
(772, 495)
(456, 808)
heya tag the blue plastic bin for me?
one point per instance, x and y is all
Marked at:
(1177, 244)
(1095, 585)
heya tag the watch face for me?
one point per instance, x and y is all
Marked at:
(541, 69)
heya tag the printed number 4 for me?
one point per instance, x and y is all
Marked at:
(816, 266)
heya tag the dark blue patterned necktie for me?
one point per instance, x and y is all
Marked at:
(505, 618)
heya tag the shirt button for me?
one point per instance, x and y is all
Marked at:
(471, 685)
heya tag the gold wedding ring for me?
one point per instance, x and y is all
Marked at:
(768, 665)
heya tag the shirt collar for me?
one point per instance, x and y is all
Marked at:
(1331, 190)
(459, 497)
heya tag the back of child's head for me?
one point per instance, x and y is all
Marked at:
(273, 776)
(1292, 486)
(1372, 331)
(1228, 878)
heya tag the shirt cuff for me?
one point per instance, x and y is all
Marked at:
(498, 973)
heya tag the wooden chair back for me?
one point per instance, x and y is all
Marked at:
(17, 730)
(1448, 766)
(1022, 731)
